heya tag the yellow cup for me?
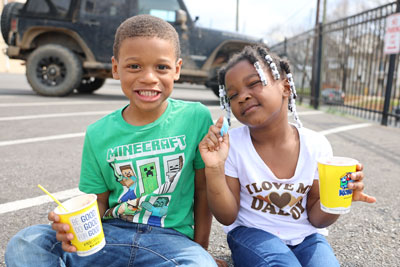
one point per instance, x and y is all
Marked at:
(334, 176)
(85, 223)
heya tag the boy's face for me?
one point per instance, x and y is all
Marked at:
(252, 103)
(147, 68)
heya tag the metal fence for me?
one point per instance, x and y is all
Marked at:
(342, 63)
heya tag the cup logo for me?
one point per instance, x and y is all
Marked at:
(344, 181)
(86, 225)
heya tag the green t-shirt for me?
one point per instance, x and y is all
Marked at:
(148, 170)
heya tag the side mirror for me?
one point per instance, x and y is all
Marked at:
(181, 18)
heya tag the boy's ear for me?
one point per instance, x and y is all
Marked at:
(114, 68)
(178, 66)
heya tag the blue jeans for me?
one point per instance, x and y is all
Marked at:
(127, 244)
(254, 247)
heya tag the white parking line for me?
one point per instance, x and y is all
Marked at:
(58, 103)
(41, 139)
(345, 128)
(57, 115)
(36, 201)
(311, 112)
(74, 135)
(89, 113)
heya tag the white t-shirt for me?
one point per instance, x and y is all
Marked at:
(277, 206)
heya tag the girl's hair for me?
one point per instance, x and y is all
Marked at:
(255, 54)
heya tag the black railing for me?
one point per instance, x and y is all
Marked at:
(348, 60)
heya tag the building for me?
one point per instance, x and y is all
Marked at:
(6, 64)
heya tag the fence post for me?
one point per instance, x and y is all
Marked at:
(388, 93)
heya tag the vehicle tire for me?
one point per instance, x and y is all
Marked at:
(8, 12)
(53, 70)
(90, 84)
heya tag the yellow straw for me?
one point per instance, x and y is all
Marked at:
(50, 195)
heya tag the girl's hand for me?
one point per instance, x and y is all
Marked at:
(62, 235)
(358, 186)
(214, 147)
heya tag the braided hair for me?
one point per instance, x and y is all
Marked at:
(254, 54)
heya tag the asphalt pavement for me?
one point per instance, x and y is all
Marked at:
(41, 140)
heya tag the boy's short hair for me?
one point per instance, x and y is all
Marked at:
(146, 26)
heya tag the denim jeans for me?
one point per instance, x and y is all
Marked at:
(254, 247)
(127, 244)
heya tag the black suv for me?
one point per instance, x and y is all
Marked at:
(67, 44)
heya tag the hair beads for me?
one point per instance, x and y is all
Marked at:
(224, 103)
(272, 66)
(292, 101)
(260, 73)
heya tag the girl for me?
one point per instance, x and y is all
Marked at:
(264, 187)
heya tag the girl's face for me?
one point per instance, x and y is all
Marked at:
(252, 103)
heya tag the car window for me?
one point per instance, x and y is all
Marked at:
(54, 8)
(164, 9)
(111, 8)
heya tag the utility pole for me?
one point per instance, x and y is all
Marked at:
(237, 15)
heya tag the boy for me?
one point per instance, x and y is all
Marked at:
(143, 163)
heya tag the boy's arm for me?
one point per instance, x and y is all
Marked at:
(102, 202)
(202, 214)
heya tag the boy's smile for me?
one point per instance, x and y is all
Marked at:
(147, 68)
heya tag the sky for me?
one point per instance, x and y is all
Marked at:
(269, 19)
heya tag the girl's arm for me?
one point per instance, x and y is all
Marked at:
(316, 216)
(222, 192)
(320, 219)
(223, 195)
(202, 214)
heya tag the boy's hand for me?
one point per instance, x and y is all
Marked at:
(62, 235)
(358, 186)
(214, 147)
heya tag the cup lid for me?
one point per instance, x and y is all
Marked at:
(337, 161)
(76, 203)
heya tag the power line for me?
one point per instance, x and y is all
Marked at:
(297, 12)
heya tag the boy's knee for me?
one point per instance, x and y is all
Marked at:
(203, 258)
(30, 236)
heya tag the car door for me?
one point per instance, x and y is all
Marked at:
(167, 10)
(102, 18)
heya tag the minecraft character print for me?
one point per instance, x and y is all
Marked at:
(158, 209)
(126, 176)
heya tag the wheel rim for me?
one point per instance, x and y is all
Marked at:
(51, 71)
(89, 80)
